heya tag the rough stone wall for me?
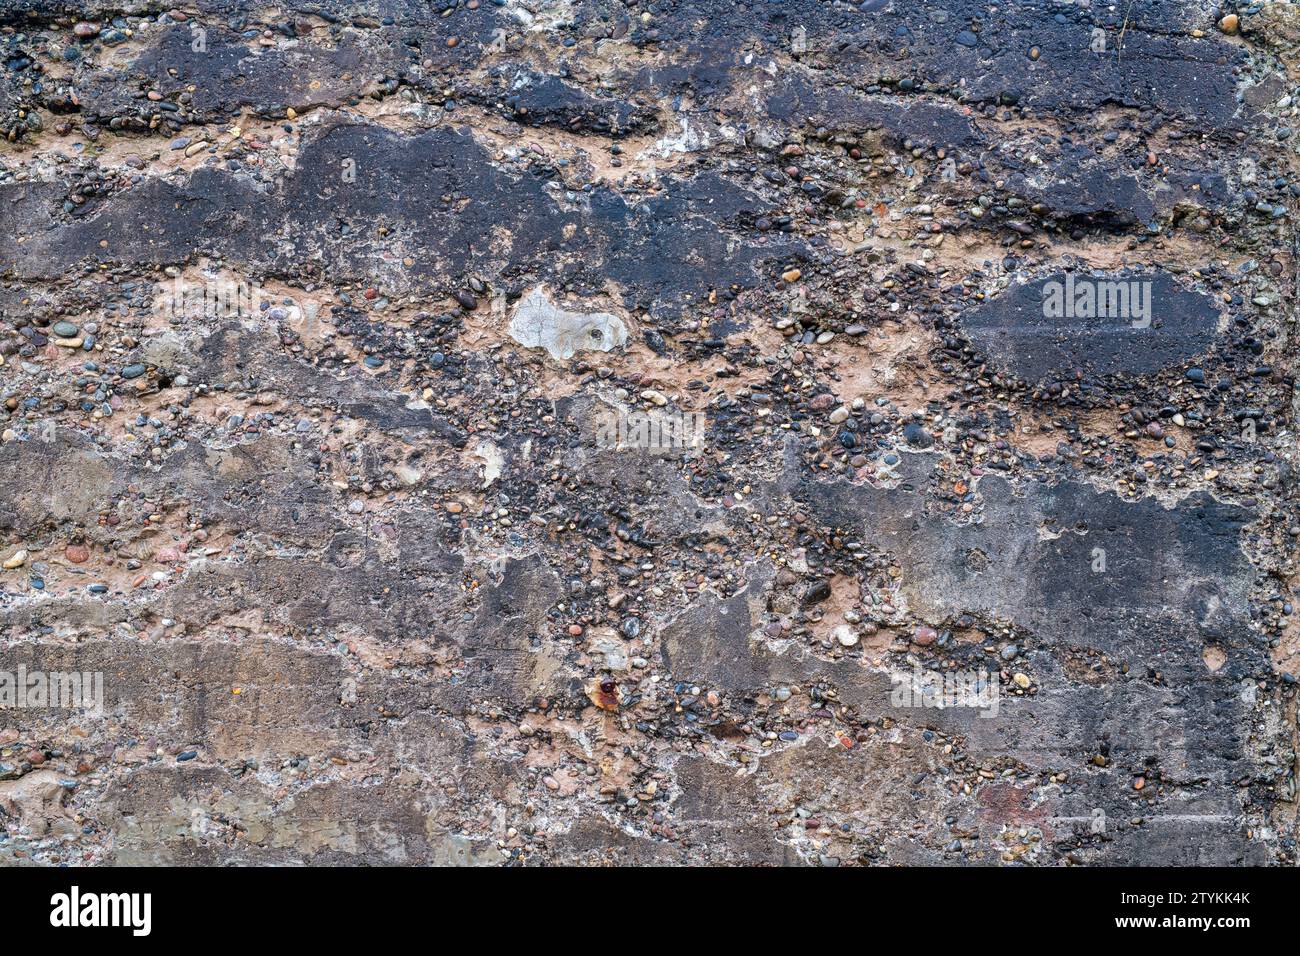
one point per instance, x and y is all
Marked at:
(578, 431)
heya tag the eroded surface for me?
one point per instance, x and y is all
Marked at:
(311, 321)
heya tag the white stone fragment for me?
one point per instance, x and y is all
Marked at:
(538, 323)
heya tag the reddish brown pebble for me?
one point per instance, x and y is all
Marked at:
(603, 692)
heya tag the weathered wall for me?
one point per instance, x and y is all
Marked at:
(367, 579)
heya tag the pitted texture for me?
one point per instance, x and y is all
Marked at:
(322, 328)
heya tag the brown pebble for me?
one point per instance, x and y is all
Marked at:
(603, 692)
